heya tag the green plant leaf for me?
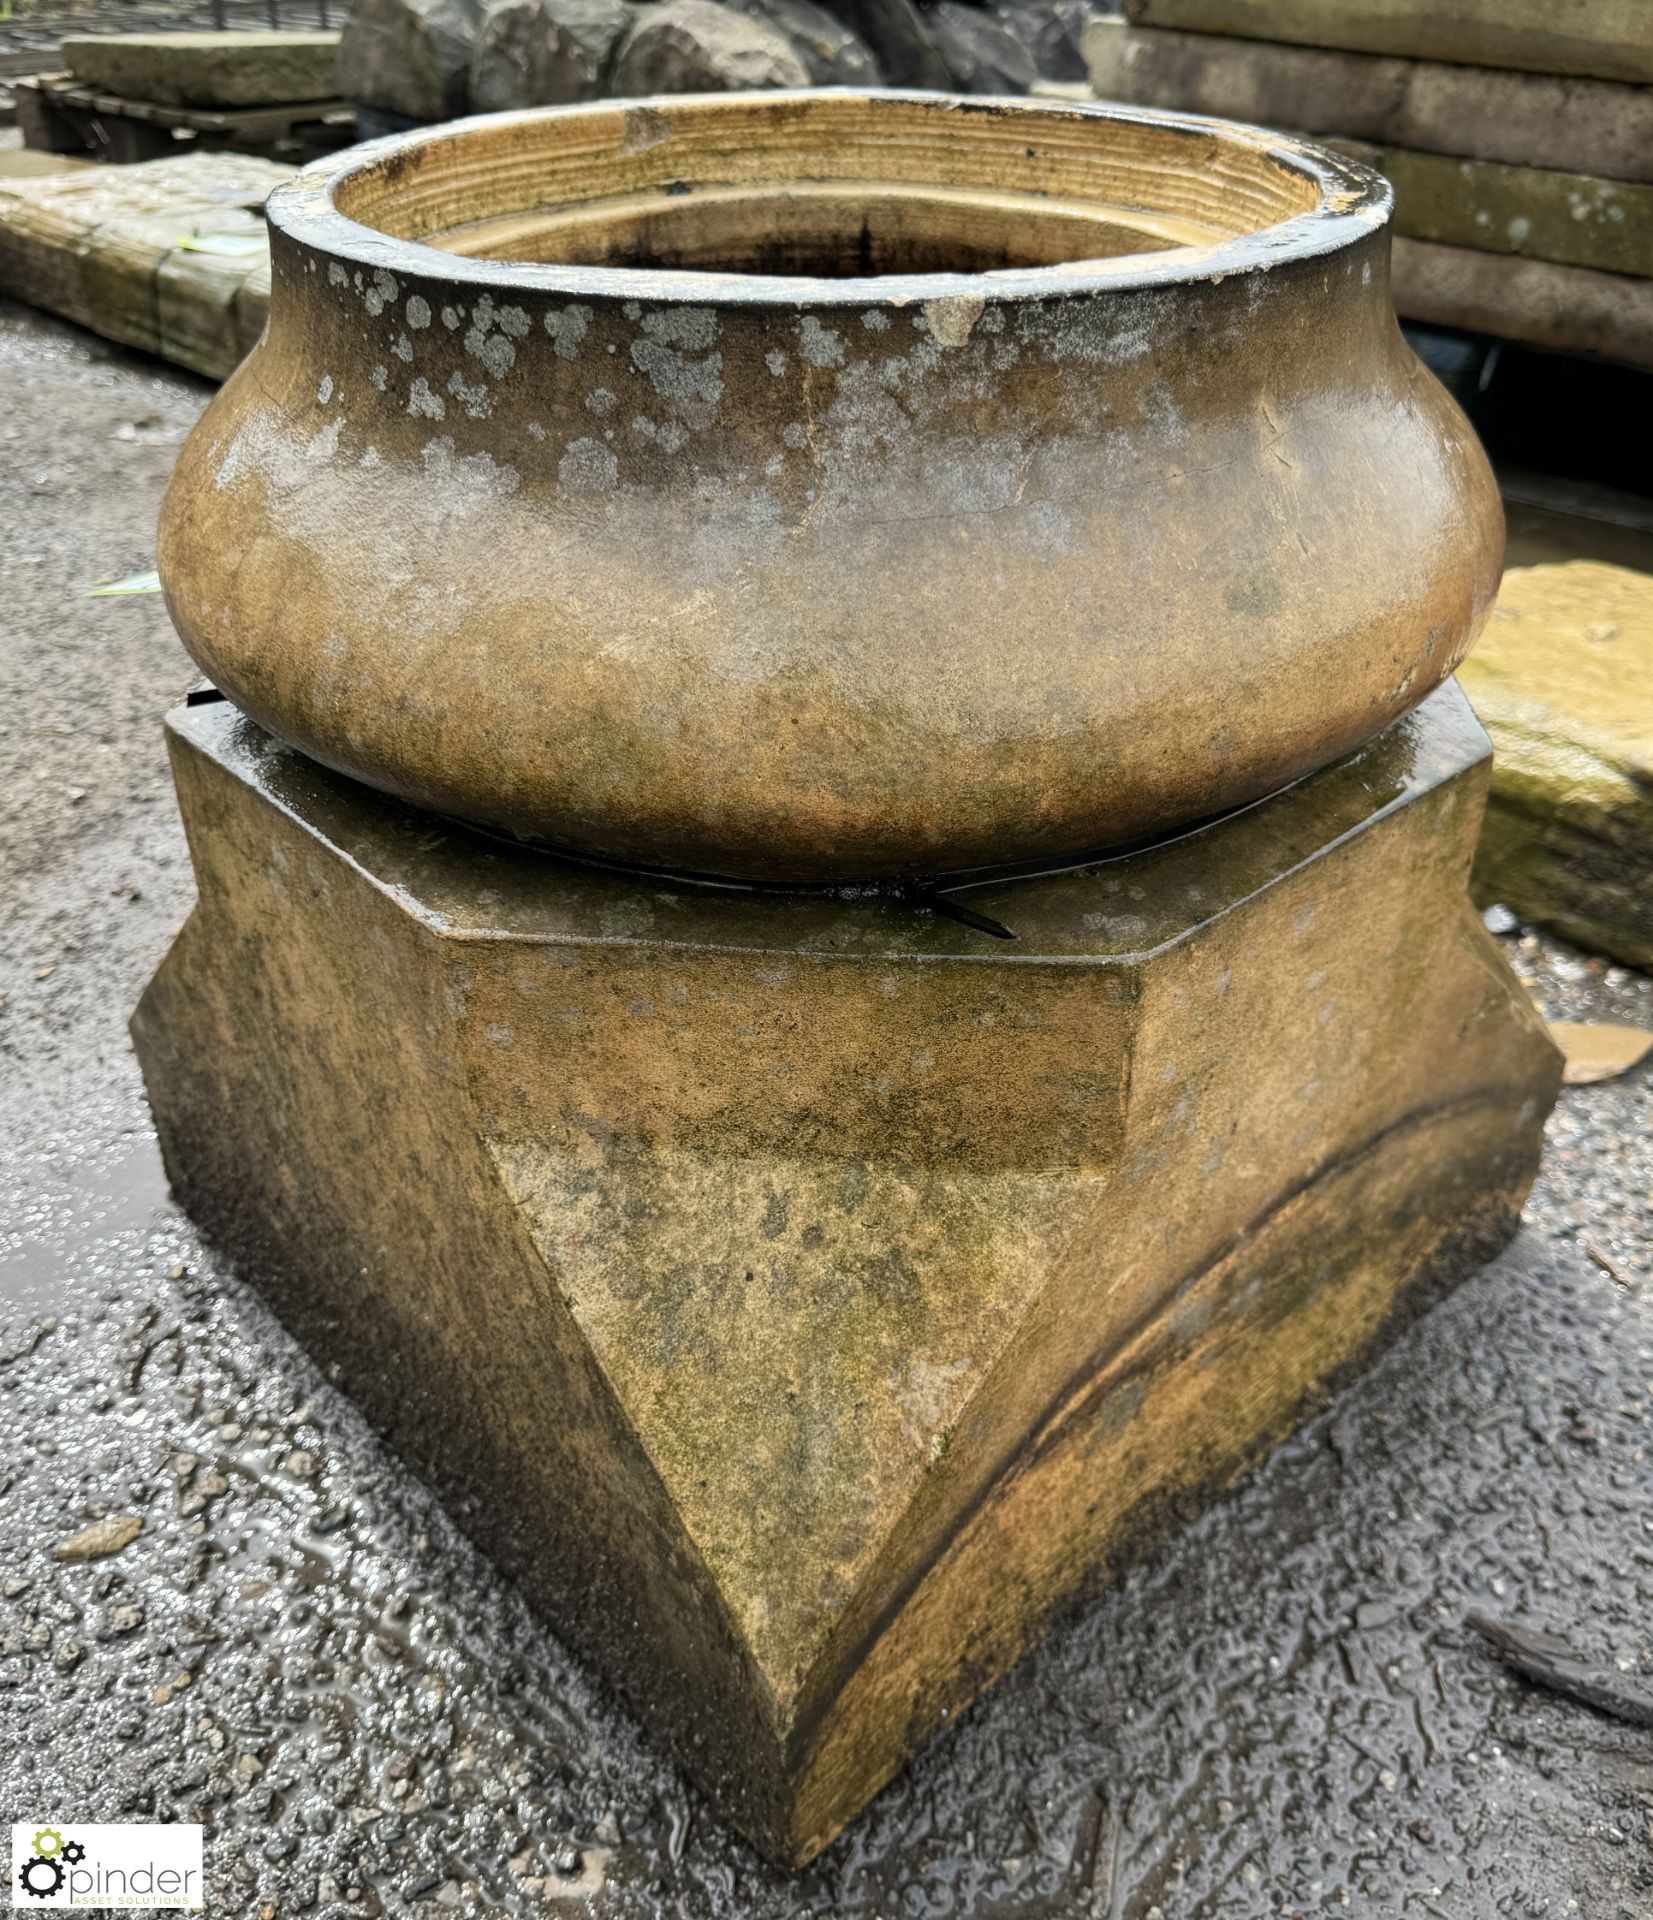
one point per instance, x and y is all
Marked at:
(237, 245)
(134, 583)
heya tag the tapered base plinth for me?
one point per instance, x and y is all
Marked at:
(801, 1297)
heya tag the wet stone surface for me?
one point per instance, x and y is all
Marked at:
(1282, 1714)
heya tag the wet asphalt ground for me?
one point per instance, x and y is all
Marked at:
(1283, 1713)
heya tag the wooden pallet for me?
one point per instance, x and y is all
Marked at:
(59, 115)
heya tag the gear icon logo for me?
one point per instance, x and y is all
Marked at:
(44, 1873)
(41, 1876)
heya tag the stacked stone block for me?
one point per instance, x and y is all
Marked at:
(1519, 138)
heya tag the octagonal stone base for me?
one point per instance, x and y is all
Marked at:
(804, 1297)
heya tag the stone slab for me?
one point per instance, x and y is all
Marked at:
(1451, 199)
(25, 163)
(1606, 39)
(1569, 309)
(1523, 119)
(208, 69)
(1568, 218)
(168, 255)
(802, 1295)
(1563, 679)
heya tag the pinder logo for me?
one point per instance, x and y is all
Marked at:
(106, 1866)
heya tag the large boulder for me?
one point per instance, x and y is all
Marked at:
(1052, 31)
(833, 53)
(544, 53)
(410, 57)
(900, 41)
(695, 46)
(981, 56)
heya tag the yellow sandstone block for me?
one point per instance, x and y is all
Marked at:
(805, 1296)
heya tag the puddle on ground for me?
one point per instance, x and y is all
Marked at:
(75, 1221)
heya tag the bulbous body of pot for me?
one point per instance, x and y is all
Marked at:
(684, 570)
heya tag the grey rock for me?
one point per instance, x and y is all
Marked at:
(410, 57)
(122, 1620)
(980, 55)
(900, 40)
(695, 46)
(833, 53)
(112, 1534)
(1052, 31)
(544, 53)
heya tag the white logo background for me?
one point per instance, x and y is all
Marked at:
(116, 1868)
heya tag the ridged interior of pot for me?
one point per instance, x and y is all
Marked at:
(836, 185)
